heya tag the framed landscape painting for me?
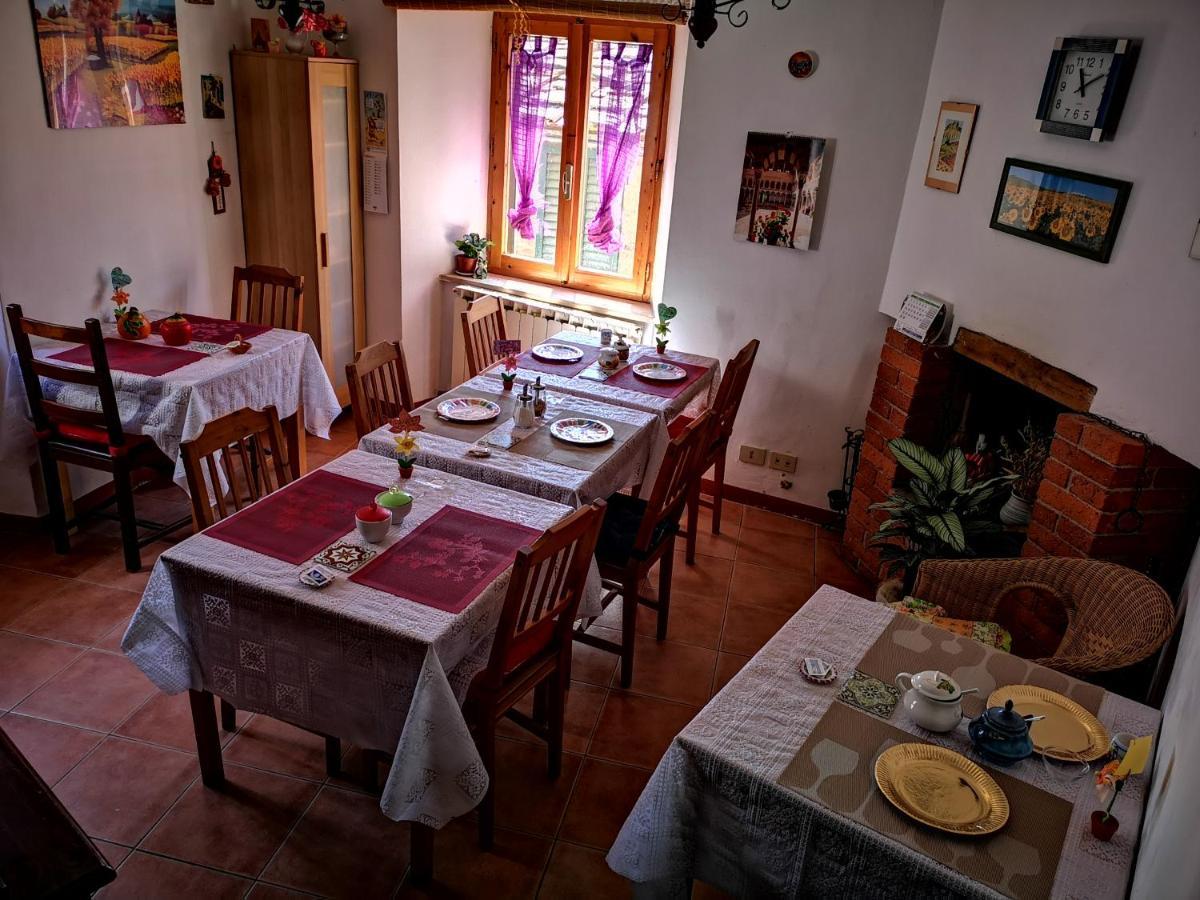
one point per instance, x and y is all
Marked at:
(951, 141)
(1061, 208)
(109, 63)
(781, 175)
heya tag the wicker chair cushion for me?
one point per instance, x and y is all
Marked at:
(1036, 615)
(988, 633)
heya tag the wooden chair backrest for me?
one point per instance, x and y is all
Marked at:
(379, 387)
(548, 580)
(242, 439)
(676, 475)
(483, 325)
(48, 414)
(731, 391)
(267, 295)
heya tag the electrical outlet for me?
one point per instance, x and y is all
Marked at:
(753, 456)
(784, 462)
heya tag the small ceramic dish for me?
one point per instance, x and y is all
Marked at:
(237, 348)
(468, 409)
(818, 671)
(479, 451)
(585, 432)
(316, 576)
(372, 525)
(659, 371)
(398, 503)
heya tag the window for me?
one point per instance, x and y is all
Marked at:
(578, 112)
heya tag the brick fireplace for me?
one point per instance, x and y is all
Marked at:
(1104, 494)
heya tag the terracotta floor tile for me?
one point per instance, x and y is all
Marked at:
(692, 619)
(768, 588)
(124, 787)
(728, 665)
(166, 720)
(776, 523)
(580, 872)
(112, 640)
(526, 799)
(709, 577)
(238, 828)
(603, 796)
(511, 870)
(672, 671)
(267, 743)
(81, 614)
(114, 853)
(24, 590)
(35, 552)
(27, 663)
(143, 876)
(591, 664)
(637, 730)
(583, 709)
(832, 565)
(747, 628)
(96, 691)
(111, 571)
(264, 891)
(343, 846)
(731, 513)
(721, 545)
(781, 552)
(52, 749)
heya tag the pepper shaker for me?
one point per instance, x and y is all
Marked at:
(539, 397)
(622, 349)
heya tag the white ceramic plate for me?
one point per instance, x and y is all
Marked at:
(468, 409)
(586, 432)
(557, 353)
(659, 371)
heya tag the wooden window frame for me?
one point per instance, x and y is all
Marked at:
(580, 32)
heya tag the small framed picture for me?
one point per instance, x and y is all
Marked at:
(1194, 253)
(260, 35)
(951, 141)
(1061, 208)
(212, 91)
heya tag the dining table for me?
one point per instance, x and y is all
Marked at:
(171, 393)
(622, 386)
(534, 460)
(383, 655)
(770, 790)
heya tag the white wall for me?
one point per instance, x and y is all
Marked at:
(815, 312)
(1129, 327)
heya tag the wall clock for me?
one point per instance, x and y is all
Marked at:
(1086, 85)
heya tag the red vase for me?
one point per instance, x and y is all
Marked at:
(406, 472)
(1104, 828)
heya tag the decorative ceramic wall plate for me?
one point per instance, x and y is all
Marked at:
(468, 409)
(941, 789)
(1069, 733)
(659, 371)
(557, 353)
(585, 432)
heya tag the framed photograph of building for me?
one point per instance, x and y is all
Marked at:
(781, 176)
(951, 141)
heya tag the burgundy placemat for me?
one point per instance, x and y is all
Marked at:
(448, 559)
(131, 356)
(630, 382)
(297, 522)
(567, 370)
(217, 331)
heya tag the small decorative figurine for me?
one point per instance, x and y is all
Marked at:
(133, 326)
(509, 375)
(218, 180)
(663, 326)
(120, 296)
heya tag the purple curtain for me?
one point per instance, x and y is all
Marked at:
(529, 98)
(624, 80)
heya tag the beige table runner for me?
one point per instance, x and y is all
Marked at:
(542, 444)
(470, 433)
(835, 767)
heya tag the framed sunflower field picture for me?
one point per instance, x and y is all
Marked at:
(1061, 208)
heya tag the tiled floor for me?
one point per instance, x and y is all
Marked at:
(121, 756)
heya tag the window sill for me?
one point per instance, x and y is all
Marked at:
(596, 304)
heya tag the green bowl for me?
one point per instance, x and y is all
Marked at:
(398, 503)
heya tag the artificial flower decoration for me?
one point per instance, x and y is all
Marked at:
(1109, 781)
(405, 422)
(120, 296)
(406, 444)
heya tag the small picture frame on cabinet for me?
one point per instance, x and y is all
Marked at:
(951, 142)
(1194, 253)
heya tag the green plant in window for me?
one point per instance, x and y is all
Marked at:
(473, 247)
(663, 326)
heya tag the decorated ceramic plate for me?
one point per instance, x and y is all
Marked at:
(941, 789)
(581, 431)
(468, 409)
(1068, 733)
(557, 353)
(659, 371)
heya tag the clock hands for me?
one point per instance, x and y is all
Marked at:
(1083, 84)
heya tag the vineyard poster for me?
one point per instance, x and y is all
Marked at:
(109, 63)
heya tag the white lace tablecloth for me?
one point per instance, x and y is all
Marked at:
(633, 462)
(282, 368)
(347, 660)
(697, 397)
(713, 809)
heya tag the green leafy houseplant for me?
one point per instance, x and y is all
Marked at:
(472, 255)
(663, 326)
(938, 513)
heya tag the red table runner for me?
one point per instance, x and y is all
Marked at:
(630, 382)
(295, 523)
(567, 370)
(132, 356)
(446, 561)
(217, 331)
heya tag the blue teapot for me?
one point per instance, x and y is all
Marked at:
(1001, 735)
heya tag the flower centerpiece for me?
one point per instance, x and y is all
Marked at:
(120, 296)
(663, 326)
(404, 427)
(1024, 460)
(297, 23)
(509, 375)
(337, 29)
(1109, 781)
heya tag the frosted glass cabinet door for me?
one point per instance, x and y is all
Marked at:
(339, 257)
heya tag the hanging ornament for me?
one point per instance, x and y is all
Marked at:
(218, 179)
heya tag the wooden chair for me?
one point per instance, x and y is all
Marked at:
(483, 325)
(724, 411)
(235, 460)
(532, 648)
(94, 439)
(267, 295)
(638, 533)
(379, 386)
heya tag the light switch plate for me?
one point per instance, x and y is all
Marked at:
(753, 456)
(784, 462)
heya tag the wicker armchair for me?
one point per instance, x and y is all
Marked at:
(1121, 616)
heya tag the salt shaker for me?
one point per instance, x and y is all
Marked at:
(605, 337)
(523, 417)
(539, 397)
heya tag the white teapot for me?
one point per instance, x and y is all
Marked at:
(932, 699)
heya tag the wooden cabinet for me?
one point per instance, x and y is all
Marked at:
(299, 166)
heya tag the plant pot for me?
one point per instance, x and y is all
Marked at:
(406, 472)
(1103, 829)
(508, 382)
(465, 265)
(661, 346)
(1016, 510)
(294, 42)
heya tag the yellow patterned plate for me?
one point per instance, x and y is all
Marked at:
(1069, 733)
(941, 789)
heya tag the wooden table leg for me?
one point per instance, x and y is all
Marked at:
(64, 479)
(293, 430)
(208, 739)
(421, 854)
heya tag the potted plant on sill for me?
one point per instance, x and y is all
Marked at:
(663, 326)
(472, 255)
(936, 515)
(1024, 463)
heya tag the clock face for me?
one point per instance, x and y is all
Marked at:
(1082, 79)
